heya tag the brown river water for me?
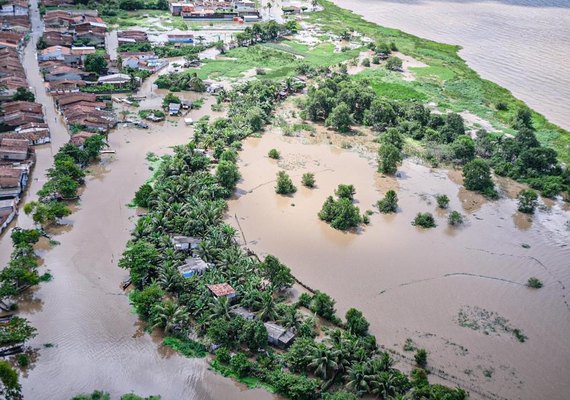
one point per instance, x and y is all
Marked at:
(411, 282)
(522, 45)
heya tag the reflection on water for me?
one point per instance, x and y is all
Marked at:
(412, 282)
(519, 44)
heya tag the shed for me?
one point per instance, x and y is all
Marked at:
(222, 290)
(278, 335)
(193, 266)
(243, 312)
(185, 242)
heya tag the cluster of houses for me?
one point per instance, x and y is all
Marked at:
(232, 10)
(21, 121)
(277, 335)
(140, 60)
(69, 38)
(15, 16)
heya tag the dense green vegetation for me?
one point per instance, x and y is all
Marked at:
(424, 220)
(527, 201)
(389, 204)
(64, 179)
(341, 213)
(9, 383)
(187, 199)
(284, 184)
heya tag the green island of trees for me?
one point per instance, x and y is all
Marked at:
(186, 199)
(284, 184)
(341, 214)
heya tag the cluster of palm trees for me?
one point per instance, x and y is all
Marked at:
(265, 32)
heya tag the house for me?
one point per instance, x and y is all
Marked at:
(14, 7)
(119, 80)
(11, 39)
(13, 149)
(35, 133)
(193, 266)
(15, 23)
(78, 139)
(243, 312)
(132, 36)
(278, 335)
(184, 243)
(180, 38)
(57, 37)
(222, 290)
(176, 8)
(173, 108)
(82, 51)
(54, 53)
(12, 181)
(8, 211)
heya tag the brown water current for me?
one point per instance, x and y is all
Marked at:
(522, 45)
(414, 283)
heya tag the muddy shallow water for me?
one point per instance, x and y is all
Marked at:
(412, 282)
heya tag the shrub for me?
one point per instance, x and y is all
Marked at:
(274, 154)
(308, 179)
(442, 200)
(375, 60)
(304, 300)
(534, 283)
(142, 196)
(284, 184)
(356, 323)
(223, 355)
(341, 213)
(425, 220)
(345, 191)
(240, 365)
(477, 176)
(366, 62)
(501, 106)
(527, 201)
(455, 218)
(394, 64)
(389, 156)
(389, 204)
(421, 357)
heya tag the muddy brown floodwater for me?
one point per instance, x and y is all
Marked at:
(413, 283)
(88, 336)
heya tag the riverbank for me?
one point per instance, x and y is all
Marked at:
(520, 45)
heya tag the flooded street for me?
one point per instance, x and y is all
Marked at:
(522, 45)
(412, 283)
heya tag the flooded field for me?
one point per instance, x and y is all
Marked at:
(458, 292)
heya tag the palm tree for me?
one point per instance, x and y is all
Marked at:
(291, 319)
(267, 305)
(220, 309)
(168, 314)
(358, 380)
(323, 361)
